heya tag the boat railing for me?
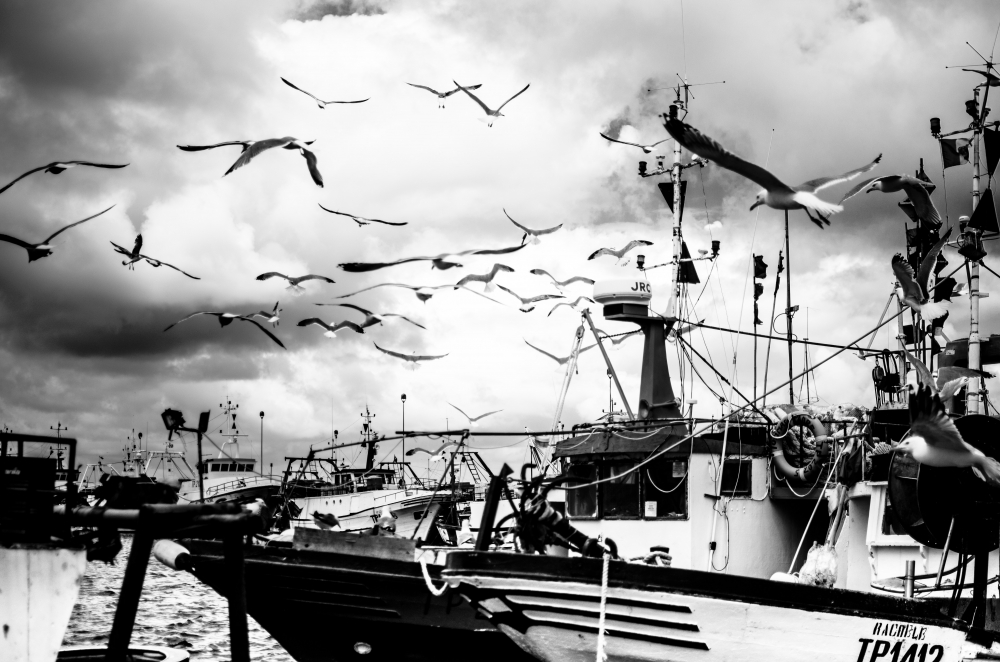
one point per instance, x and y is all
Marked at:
(239, 483)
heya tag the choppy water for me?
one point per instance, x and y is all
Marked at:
(175, 610)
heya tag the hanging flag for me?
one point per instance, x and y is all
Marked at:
(781, 267)
(954, 151)
(759, 267)
(992, 144)
(688, 274)
(667, 189)
(984, 217)
(758, 289)
(944, 289)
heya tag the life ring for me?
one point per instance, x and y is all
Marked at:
(807, 473)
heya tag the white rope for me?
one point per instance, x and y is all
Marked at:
(437, 592)
(602, 655)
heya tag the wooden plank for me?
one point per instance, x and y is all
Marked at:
(380, 547)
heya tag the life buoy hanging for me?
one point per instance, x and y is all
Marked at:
(809, 472)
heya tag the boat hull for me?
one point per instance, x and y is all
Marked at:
(318, 605)
(550, 607)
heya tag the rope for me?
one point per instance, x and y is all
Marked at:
(435, 591)
(602, 643)
(673, 489)
(815, 508)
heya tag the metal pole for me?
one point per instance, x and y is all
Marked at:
(611, 368)
(128, 597)
(788, 309)
(944, 553)
(493, 495)
(673, 307)
(262, 442)
(239, 639)
(911, 570)
(201, 472)
(972, 397)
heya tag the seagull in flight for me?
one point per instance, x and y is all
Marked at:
(950, 379)
(486, 279)
(268, 315)
(293, 282)
(560, 361)
(287, 142)
(135, 256)
(361, 220)
(319, 102)
(572, 305)
(225, 319)
(560, 284)
(474, 419)
(992, 80)
(443, 95)
(245, 144)
(415, 359)
(44, 248)
(646, 149)
(442, 261)
(331, 329)
(914, 188)
(57, 167)
(775, 194)
(936, 442)
(437, 454)
(423, 292)
(371, 319)
(491, 115)
(326, 521)
(620, 253)
(527, 301)
(533, 234)
(618, 340)
(914, 286)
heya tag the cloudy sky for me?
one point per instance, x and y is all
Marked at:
(811, 89)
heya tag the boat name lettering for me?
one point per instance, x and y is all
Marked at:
(873, 650)
(903, 630)
(642, 287)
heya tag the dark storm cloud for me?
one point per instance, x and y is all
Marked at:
(315, 10)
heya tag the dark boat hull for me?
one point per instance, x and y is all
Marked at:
(319, 605)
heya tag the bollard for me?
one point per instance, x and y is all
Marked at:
(911, 569)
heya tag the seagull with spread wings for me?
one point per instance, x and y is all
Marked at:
(44, 248)
(491, 115)
(620, 253)
(527, 301)
(914, 286)
(438, 453)
(533, 234)
(245, 144)
(361, 220)
(775, 194)
(288, 142)
(562, 360)
(443, 95)
(271, 316)
(442, 261)
(618, 340)
(950, 379)
(415, 359)
(572, 304)
(135, 256)
(914, 188)
(371, 319)
(422, 292)
(331, 329)
(486, 279)
(646, 149)
(935, 441)
(475, 419)
(57, 167)
(992, 80)
(560, 284)
(319, 102)
(294, 281)
(225, 319)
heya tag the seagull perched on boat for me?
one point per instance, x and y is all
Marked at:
(293, 281)
(491, 115)
(44, 248)
(326, 521)
(319, 102)
(225, 319)
(438, 453)
(135, 256)
(423, 292)
(646, 149)
(443, 95)
(621, 252)
(775, 194)
(474, 419)
(936, 442)
(914, 188)
(415, 359)
(57, 167)
(268, 315)
(914, 286)
(486, 279)
(442, 261)
(992, 80)
(572, 305)
(560, 361)
(371, 319)
(331, 329)
(526, 301)
(528, 232)
(560, 284)
(361, 220)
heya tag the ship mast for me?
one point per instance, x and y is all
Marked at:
(975, 362)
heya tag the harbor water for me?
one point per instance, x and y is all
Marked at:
(175, 610)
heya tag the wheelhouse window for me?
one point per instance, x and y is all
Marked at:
(582, 502)
(621, 494)
(657, 490)
(664, 491)
(736, 478)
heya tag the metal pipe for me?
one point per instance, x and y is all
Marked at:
(128, 598)
(972, 393)
(493, 493)
(911, 570)
(239, 638)
(607, 360)
(944, 554)
(788, 310)
(201, 472)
